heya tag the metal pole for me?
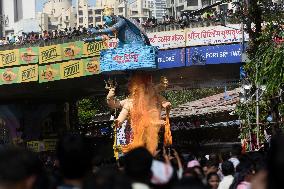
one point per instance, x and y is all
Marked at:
(257, 108)
(125, 3)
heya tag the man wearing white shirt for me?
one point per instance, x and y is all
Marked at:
(228, 171)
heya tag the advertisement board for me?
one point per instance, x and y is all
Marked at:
(218, 54)
(171, 58)
(9, 58)
(71, 69)
(28, 73)
(9, 75)
(131, 57)
(167, 39)
(91, 66)
(94, 48)
(29, 55)
(72, 50)
(49, 73)
(215, 35)
(50, 54)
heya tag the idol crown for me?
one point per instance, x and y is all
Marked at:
(108, 11)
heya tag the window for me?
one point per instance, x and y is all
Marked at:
(98, 19)
(66, 18)
(192, 2)
(90, 12)
(120, 10)
(80, 12)
(80, 20)
(90, 19)
(98, 12)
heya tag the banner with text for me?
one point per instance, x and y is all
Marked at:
(71, 69)
(94, 48)
(218, 54)
(91, 66)
(29, 55)
(171, 58)
(112, 43)
(168, 39)
(131, 57)
(215, 35)
(28, 73)
(21, 74)
(72, 50)
(50, 54)
(49, 73)
(9, 58)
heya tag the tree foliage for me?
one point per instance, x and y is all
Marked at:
(89, 107)
(264, 23)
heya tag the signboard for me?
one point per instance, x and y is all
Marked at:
(19, 74)
(29, 55)
(91, 66)
(128, 58)
(72, 50)
(9, 58)
(94, 48)
(171, 58)
(50, 144)
(214, 35)
(112, 43)
(36, 146)
(71, 69)
(49, 73)
(9, 76)
(218, 54)
(167, 39)
(50, 54)
(28, 73)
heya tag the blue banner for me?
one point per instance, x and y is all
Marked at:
(171, 58)
(130, 57)
(219, 54)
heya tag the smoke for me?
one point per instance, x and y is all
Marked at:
(144, 113)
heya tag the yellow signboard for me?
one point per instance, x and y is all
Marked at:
(9, 58)
(50, 144)
(50, 54)
(71, 69)
(28, 73)
(94, 48)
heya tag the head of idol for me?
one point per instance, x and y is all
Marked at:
(108, 16)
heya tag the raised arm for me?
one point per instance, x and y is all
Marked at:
(111, 100)
(112, 30)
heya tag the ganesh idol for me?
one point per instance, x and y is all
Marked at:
(142, 110)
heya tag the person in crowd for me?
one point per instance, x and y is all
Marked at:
(244, 174)
(75, 156)
(228, 171)
(212, 167)
(137, 167)
(213, 180)
(107, 178)
(191, 183)
(162, 171)
(275, 162)
(236, 151)
(21, 169)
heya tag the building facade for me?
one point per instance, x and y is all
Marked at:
(61, 14)
(15, 12)
(158, 8)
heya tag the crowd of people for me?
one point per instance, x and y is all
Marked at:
(36, 38)
(185, 19)
(77, 167)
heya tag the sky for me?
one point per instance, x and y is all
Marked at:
(39, 4)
